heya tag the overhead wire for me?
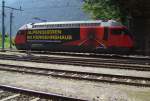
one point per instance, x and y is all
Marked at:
(38, 9)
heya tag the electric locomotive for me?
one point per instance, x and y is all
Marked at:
(77, 36)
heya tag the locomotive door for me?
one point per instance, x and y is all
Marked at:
(116, 37)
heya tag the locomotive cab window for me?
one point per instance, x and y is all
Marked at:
(126, 31)
(20, 33)
(116, 31)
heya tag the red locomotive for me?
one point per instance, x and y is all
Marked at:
(75, 36)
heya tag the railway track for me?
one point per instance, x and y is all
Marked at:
(10, 93)
(85, 54)
(80, 75)
(95, 55)
(97, 63)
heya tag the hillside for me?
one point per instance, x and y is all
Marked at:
(50, 10)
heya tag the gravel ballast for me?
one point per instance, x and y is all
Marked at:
(79, 89)
(80, 68)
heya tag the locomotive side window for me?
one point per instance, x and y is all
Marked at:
(106, 32)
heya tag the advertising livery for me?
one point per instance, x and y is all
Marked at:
(53, 35)
(75, 36)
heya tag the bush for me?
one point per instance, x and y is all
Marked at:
(104, 9)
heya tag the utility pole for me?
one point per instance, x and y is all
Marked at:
(10, 36)
(11, 20)
(3, 25)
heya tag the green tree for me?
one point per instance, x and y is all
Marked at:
(104, 9)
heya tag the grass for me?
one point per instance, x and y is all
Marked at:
(7, 42)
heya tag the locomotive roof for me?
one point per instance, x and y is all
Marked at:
(71, 24)
(68, 22)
